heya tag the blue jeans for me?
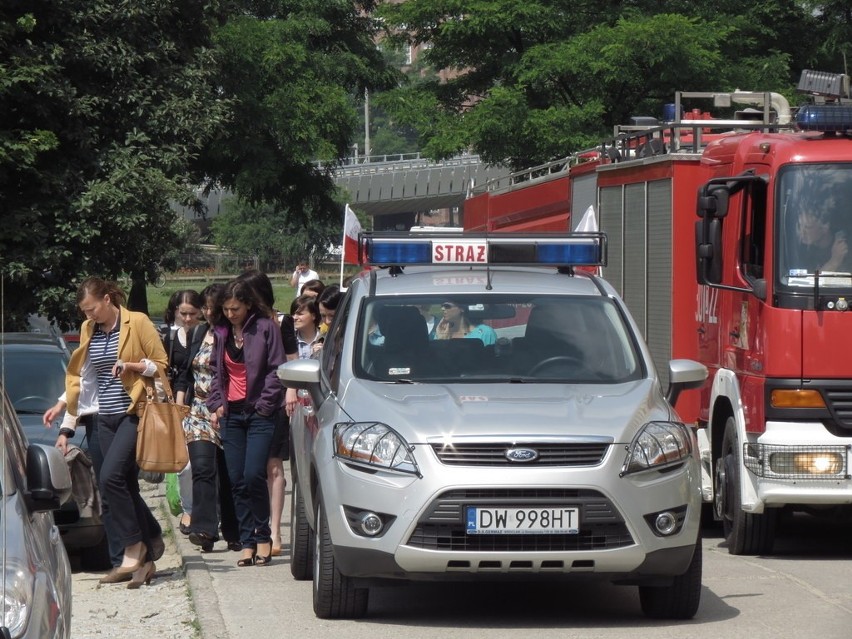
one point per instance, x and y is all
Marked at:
(246, 438)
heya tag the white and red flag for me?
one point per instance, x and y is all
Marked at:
(351, 229)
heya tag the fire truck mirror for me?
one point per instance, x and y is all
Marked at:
(708, 251)
(713, 201)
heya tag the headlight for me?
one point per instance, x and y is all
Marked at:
(17, 599)
(657, 445)
(373, 444)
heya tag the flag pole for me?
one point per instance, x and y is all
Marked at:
(343, 246)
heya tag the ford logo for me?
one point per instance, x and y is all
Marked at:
(521, 454)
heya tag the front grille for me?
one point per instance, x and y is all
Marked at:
(442, 526)
(573, 454)
(840, 404)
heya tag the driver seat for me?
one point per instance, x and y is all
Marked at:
(550, 332)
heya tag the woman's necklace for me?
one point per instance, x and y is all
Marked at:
(238, 339)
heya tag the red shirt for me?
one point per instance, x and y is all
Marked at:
(236, 379)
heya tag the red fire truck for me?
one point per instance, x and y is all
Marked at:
(757, 286)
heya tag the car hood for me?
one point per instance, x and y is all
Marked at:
(423, 412)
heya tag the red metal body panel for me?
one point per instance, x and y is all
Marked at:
(543, 206)
(476, 212)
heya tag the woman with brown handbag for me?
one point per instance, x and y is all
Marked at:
(123, 346)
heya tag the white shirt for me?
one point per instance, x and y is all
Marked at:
(304, 278)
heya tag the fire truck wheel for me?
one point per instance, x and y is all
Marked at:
(679, 600)
(746, 533)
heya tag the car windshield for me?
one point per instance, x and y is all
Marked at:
(34, 379)
(495, 338)
(814, 224)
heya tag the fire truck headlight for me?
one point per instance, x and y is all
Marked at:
(657, 445)
(806, 463)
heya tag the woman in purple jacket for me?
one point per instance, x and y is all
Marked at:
(244, 395)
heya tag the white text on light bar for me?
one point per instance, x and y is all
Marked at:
(460, 252)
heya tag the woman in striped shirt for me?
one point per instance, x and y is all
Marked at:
(123, 347)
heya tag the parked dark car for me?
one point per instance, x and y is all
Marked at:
(34, 480)
(33, 372)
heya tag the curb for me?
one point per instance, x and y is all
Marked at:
(200, 583)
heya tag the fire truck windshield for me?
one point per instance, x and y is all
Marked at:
(814, 202)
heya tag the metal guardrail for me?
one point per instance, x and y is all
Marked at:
(634, 142)
(394, 163)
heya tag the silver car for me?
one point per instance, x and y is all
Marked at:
(483, 422)
(36, 586)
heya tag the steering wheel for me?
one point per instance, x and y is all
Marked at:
(556, 359)
(33, 402)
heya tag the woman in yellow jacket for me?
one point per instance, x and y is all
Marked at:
(123, 347)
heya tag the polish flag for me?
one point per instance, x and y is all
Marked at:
(351, 229)
(588, 224)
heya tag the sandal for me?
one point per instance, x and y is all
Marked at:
(264, 560)
(247, 561)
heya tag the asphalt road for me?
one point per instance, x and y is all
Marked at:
(804, 590)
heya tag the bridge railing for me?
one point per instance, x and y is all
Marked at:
(364, 165)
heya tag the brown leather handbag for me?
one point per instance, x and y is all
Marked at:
(160, 439)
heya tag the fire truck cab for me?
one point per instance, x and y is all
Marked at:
(756, 286)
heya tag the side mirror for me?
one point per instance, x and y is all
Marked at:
(708, 251)
(713, 201)
(48, 479)
(303, 373)
(684, 374)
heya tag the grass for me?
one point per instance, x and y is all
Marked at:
(158, 298)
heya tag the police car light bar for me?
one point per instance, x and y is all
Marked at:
(501, 249)
(825, 118)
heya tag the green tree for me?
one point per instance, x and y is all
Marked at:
(273, 235)
(103, 104)
(295, 71)
(531, 80)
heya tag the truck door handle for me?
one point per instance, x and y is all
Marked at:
(734, 334)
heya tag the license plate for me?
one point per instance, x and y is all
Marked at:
(550, 520)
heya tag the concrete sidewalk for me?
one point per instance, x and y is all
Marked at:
(235, 603)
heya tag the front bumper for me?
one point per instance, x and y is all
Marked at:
(426, 539)
(778, 489)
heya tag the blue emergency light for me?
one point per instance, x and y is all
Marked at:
(474, 249)
(825, 118)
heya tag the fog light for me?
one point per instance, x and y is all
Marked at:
(371, 524)
(804, 463)
(666, 523)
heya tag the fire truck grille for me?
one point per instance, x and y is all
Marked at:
(574, 454)
(442, 527)
(840, 405)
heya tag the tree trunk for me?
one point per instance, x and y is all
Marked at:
(137, 299)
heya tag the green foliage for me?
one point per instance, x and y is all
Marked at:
(102, 106)
(531, 80)
(275, 236)
(295, 70)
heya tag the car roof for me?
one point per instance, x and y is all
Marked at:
(23, 341)
(481, 280)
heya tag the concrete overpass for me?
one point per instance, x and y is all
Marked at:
(409, 183)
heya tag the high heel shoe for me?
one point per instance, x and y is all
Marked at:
(263, 560)
(126, 570)
(247, 560)
(142, 576)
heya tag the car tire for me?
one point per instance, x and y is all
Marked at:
(679, 600)
(301, 538)
(335, 595)
(96, 558)
(746, 533)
